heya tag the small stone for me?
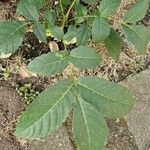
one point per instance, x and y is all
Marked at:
(139, 118)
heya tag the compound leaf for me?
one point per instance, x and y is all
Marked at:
(89, 127)
(47, 112)
(39, 31)
(100, 30)
(113, 44)
(49, 64)
(28, 9)
(83, 35)
(137, 11)
(109, 98)
(11, 36)
(108, 7)
(85, 57)
(138, 35)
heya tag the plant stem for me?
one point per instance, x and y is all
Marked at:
(124, 24)
(65, 17)
(62, 9)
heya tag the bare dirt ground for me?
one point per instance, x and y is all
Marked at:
(11, 105)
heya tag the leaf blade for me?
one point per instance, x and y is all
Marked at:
(47, 112)
(113, 44)
(138, 35)
(109, 98)
(89, 127)
(49, 64)
(28, 9)
(100, 30)
(108, 7)
(39, 32)
(85, 57)
(11, 36)
(83, 35)
(137, 11)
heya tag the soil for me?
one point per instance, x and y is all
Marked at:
(11, 105)
(120, 137)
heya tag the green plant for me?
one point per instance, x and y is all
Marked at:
(6, 73)
(27, 92)
(91, 98)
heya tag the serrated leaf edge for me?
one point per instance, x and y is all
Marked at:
(17, 134)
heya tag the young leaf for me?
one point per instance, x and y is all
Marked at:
(137, 11)
(50, 17)
(11, 36)
(113, 44)
(89, 127)
(81, 12)
(57, 32)
(28, 9)
(90, 2)
(83, 35)
(70, 35)
(49, 64)
(107, 7)
(109, 98)
(85, 57)
(138, 35)
(47, 112)
(39, 31)
(100, 30)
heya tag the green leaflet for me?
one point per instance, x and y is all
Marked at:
(70, 35)
(137, 11)
(57, 32)
(113, 44)
(49, 64)
(39, 31)
(109, 98)
(81, 12)
(89, 127)
(29, 9)
(107, 7)
(11, 36)
(47, 112)
(50, 16)
(85, 57)
(100, 30)
(83, 35)
(138, 35)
